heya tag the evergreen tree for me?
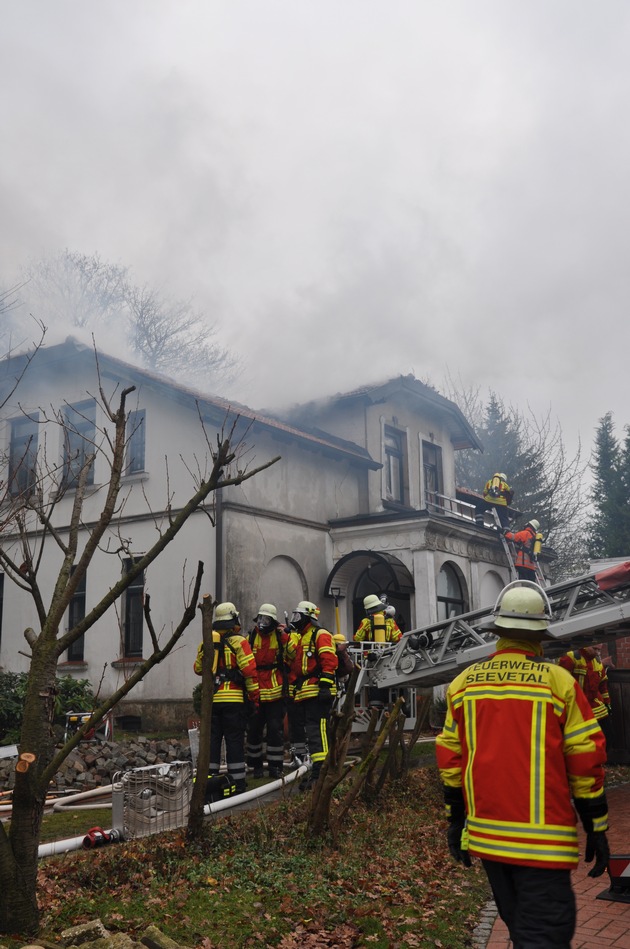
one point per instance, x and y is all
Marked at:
(608, 532)
(547, 484)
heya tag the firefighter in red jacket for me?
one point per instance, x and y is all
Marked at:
(528, 543)
(519, 749)
(312, 657)
(268, 641)
(235, 686)
(587, 668)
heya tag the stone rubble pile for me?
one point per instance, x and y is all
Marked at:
(94, 935)
(93, 764)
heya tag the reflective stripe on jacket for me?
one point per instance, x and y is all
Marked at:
(365, 632)
(497, 491)
(312, 654)
(591, 676)
(235, 656)
(269, 652)
(520, 739)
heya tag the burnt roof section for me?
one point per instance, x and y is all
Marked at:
(214, 409)
(462, 433)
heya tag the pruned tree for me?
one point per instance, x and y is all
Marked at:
(30, 526)
(165, 334)
(548, 482)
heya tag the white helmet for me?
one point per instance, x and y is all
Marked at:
(268, 609)
(535, 524)
(307, 608)
(372, 602)
(502, 475)
(522, 605)
(226, 616)
(390, 611)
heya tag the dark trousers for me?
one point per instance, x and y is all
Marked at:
(228, 722)
(309, 728)
(536, 904)
(267, 722)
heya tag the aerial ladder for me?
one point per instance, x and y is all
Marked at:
(587, 609)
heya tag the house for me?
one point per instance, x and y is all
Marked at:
(362, 500)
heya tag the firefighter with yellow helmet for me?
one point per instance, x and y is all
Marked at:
(520, 749)
(235, 687)
(377, 627)
(312, 659)
(268, 641)
(499, 494)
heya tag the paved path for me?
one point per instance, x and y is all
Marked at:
(600, 923)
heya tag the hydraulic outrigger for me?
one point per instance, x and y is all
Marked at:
(591, 608)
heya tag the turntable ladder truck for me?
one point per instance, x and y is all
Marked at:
(587, 609)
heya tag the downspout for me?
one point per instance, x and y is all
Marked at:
(218, 540)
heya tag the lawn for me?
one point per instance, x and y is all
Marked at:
(257, 880)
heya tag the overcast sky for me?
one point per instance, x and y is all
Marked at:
(349, 189)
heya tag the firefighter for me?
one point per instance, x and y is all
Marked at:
(268, 641)
(379, 625)
(589, 671)
(528, 543)
(312, 657)
(376, 627)
(499, 494)
(519, 742)
(235, 686)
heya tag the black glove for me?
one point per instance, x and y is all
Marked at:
(324, 693)
(456, 814)
(597, 847)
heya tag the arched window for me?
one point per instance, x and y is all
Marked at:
(451, 599)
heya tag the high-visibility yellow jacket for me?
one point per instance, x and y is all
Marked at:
(590, 673)
(520, 740)
(497, 491)
(269, 648)
(235, 675)
(312, 657)
(370, 626)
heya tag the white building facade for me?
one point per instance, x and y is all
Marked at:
(363, 499)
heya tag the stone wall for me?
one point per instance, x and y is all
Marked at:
(92, 764)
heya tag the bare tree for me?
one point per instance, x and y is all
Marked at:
(171, 337)
(165, 334)
(548, 483)
(29, 527)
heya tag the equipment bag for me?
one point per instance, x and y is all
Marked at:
(219, 787)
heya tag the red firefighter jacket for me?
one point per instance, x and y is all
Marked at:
(312, 655)
(592, 677)
(520, 740)
(269, 649)
(235, 675)
(524, 541)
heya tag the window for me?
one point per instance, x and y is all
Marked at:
(78, 441)
(135, 441)
(394, 465)
(432, 472)
(450, 594)
(23, 455)
(133, 617)
(76, 612)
